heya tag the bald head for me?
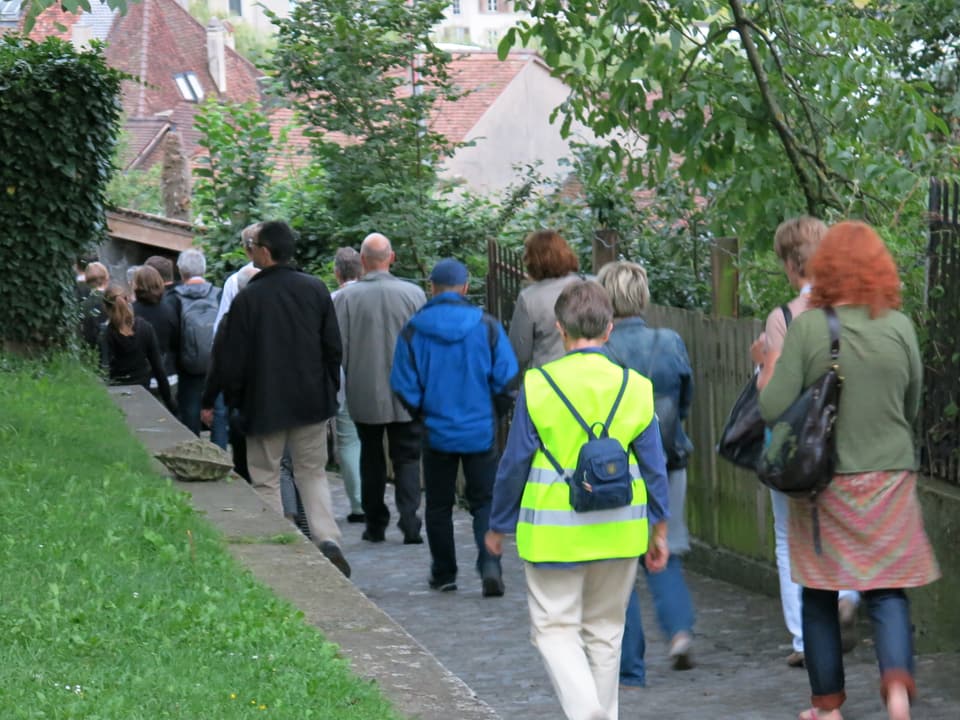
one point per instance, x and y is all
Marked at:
(376, 253)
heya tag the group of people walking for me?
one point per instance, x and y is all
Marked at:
(592, 479)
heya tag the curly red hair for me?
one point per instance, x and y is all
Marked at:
(852, 266)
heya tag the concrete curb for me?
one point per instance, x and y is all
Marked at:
(378, 648)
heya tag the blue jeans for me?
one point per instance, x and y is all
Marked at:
(440, 485)
(674, 606)
(220, 430)
(889, 612)
(348, 450)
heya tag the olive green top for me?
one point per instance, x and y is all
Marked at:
(882, 371)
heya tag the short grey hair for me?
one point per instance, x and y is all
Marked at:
(249, 234)
(584, 310)
(346, 264)
(191, 264)
(626, 284)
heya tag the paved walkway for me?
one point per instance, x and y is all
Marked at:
(740, 647)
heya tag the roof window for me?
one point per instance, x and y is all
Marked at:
(189, 86)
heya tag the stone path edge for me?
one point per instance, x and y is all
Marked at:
(379, 649)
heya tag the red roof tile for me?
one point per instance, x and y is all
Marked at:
(483, 76)
(157, 39)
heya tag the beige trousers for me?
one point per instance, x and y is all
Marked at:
(308, 451)
(576, 618)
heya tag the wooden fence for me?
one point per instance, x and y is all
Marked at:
(726, 507)
(940, 419)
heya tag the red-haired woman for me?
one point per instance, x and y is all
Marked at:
(870, 523)
(128, 347)
(552, 265)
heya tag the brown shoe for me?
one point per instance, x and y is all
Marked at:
(795, 659)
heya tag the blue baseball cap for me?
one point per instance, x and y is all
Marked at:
(449, 272)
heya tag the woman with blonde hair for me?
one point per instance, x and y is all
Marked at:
(128, 347)
(870, 525)
(552, 265)
(659, 355)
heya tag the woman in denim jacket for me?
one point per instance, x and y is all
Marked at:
(660, 355)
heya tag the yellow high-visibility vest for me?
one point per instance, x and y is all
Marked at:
(549, 530)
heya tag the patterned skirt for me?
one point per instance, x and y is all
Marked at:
(871, 531)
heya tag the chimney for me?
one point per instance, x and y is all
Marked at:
(216, 54)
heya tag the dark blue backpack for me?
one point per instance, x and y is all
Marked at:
(601, 480)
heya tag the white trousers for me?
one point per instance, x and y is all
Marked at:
(789, 590)
(308, 452)
(576, 619)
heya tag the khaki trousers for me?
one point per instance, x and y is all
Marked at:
(576, 618)
(308, 451)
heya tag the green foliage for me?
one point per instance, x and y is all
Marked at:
(231, 178)
(119, 601)
(35, 7)
(767, 109)
(137, 190)
(663, 229)
(347, 65)
(59, 116)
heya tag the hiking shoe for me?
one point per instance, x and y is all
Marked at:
(795, 659)
(442, 585)
(373, 536)
(492, 581)
(680, 651)
(413, 540)
(335, 555)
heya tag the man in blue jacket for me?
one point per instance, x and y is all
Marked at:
(454, 367)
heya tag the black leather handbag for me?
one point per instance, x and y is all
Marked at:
(741, 441)
(801, 456)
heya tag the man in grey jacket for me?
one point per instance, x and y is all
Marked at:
(371, 314)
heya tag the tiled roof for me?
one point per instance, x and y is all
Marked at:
(50, 22)
(483, 76)
(157, 39)
(480, 74)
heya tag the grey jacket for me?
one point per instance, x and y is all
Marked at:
(533, 329)
(371, 313)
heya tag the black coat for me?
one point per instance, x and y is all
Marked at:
(166, 323)
(281, 354)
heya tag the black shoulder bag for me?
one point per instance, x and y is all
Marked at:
(802, 454)
(741, 440)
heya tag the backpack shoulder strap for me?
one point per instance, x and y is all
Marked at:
(570, 407)
(616, 403)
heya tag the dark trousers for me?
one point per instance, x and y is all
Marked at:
(189, 395)
(440, 485)
(889, 612)
(238, 444)
(404, 444)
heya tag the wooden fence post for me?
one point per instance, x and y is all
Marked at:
(725, 278)
(605, 248)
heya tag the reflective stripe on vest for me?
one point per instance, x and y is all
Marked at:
(548, 529)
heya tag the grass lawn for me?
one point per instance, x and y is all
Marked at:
(116, 600)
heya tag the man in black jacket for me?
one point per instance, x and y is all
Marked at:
(281, 369)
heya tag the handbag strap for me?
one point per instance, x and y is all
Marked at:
(833, 324)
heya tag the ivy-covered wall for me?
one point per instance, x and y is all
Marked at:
(59, 118)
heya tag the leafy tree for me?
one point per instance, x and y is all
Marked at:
(765, 109)
(232, 178)
(35, 7)
(59, 118)
(364, 78)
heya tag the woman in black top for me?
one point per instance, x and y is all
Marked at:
(149, 305)
(128, 347)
